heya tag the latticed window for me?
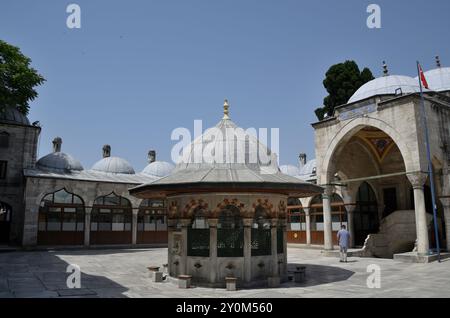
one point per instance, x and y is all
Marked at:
(198, 235)
(261, 235)
(338, 213)
(230, 233)
(111, 213)
(152, 216)
(295, 215)
(61, 211)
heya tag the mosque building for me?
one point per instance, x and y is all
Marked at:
(370, 158)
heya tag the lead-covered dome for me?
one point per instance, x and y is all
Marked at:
(11, 115)
(226, 158)
(386, 85)
(58, 160)
(290, 170)
(112, 164)
(158, 168)
(226, 144)
(438, 79)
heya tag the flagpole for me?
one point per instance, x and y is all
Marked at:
(430, 165)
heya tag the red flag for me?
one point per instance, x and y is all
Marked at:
(422, 77)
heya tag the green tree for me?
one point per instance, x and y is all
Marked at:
(341, 82)
(17, 79)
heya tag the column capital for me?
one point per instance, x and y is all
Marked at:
(306, 210)
(213, 222)
(247, 222)
(274, 222)
(417, 179)
(327, 192)
(185, 222)
(350, 208)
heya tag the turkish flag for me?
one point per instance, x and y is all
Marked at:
(422, 77)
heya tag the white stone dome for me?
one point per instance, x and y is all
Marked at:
(59, 161)
(113, 165)
(438, 79)
(385, 85)
(290, 170)
(159, 168)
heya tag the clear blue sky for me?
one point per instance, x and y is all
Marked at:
(138, 69)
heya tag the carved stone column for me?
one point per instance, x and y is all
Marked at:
(87, 227)
(134, 220)
(446, 205)
(308, 225)
(350, 223)
(213, 249)
(185, 223)
(418, 180)
(327, 225)
(274, 246)
(171, 225)
(247, 249)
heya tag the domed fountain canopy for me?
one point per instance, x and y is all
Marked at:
(226, 158)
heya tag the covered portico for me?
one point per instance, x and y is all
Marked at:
(378, 143)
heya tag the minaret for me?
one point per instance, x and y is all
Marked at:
(385, 69)
(225, 109)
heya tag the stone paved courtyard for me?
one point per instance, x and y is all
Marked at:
(123, 273)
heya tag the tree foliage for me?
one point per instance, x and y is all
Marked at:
(341, 82)
(17, 79)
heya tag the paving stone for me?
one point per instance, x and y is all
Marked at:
(76, 292)
(123, 273)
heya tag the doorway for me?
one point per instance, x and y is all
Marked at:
(366, 214)
(5, 222)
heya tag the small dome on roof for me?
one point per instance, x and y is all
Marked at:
(11, 115)
(385, 85)
(112, 164)
(159, 168)
(309, 167)
(58, 160)
(438, 79)
(290, 170)
(308, 171)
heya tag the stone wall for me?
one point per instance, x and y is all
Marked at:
(37, 188)
(20, 154)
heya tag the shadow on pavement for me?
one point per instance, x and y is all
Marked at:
(318, 275)
(43, 275)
